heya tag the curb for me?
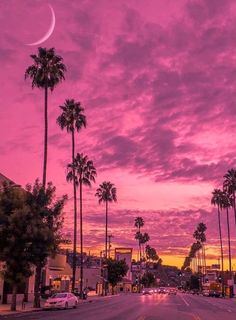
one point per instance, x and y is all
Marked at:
(18, 312)
(9, 312)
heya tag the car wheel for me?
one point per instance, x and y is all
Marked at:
(66, 305)
(75, 305)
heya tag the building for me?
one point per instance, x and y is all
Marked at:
(125, 254)
(58, 274)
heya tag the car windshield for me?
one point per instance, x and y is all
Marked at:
(59, 295)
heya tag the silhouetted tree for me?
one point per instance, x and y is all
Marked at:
(84, 171)
(73, 120)
(106, 193)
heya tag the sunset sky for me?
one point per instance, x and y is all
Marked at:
(157, 81)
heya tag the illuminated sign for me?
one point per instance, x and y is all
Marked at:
(123, 250)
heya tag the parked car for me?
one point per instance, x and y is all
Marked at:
(62, 300)
(205, 292)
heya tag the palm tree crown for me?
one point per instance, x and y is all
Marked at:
(139, 222)
(230, 181)
(84, 169)
(216, 199)
(106, 192)
(47, 70)
(72, 117)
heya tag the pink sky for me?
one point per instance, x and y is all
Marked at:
(156, 79)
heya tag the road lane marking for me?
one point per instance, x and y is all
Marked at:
(187, 304)
(196, 317)
(229, 310)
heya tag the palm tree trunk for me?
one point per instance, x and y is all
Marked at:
(75, 215)
(106, 229)
(81, 240)
(221, 244)
(13, 301)
(234, 205)
(37, 282)
(45, 136)
(229, 242)
(204, 254)
(139, 243)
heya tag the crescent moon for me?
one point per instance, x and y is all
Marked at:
(49, 32)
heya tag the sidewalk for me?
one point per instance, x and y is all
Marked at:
(5, 308)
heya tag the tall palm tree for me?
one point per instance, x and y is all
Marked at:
(229, 186)
(138, 223)
(106, 193)
(46, 72)
(216, 200)
(144, 239)
(226, 203)
(200, 236)
(73, 120)
(85, 173)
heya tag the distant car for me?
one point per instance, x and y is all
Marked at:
(62, 300)
(147, 291)
(163, 290)
(172, 291)
(156, 290)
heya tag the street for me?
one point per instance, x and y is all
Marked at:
(140, 307)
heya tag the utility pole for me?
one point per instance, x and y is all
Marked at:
(109, 244)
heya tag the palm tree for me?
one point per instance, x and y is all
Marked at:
(144, 238)
(138, 223)
(226, 203)
(216, 200)
(85, 173)
(106, 193)
(196, 235)
(202, 238)
(229, 186)
(46, 72)
(73, 120)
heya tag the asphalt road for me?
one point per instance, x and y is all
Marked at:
(139, 307)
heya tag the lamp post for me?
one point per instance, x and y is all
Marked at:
(109, 244)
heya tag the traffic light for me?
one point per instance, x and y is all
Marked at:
(136, 280)
(220, 279)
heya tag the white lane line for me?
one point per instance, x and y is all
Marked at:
(187, 304)
(229, 310)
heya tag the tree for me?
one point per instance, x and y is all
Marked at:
(151, 253)
(216, 200)
(106, 193)
(144, 238)
(46, 72)
(194, 282)
(200, 236)
(72, 119)
(116, 270)
(138, 223)
(47, 211)
(229, 186)
(16, 229)
(148, 279)
(84, 172)
(226, 203)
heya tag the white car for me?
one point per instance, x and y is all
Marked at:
(62, 300)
